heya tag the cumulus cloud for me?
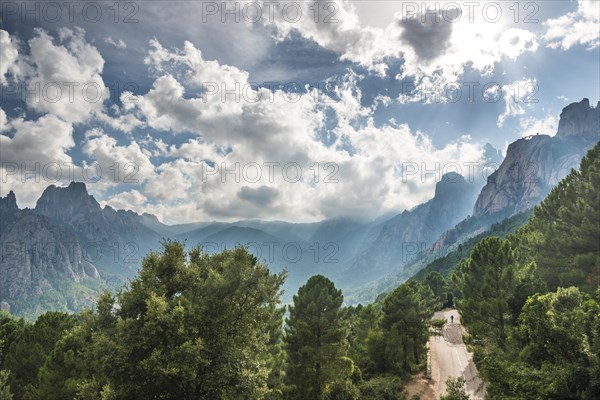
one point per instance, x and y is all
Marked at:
(517, 97)
(9, 54)
(31, 142)
(67, 75)
(119, 44)
(514, 41)
(262, 155)
(429, 38)
(434, 46)
(32, 158)
(3, 120)
(262, 196)
(337, 28)
(257, 153)
(575, 28)
(131, 200)
(543, 126)
(125, 164)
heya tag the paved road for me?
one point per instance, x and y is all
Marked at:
(449, 357)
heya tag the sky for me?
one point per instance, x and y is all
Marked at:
(280, 110)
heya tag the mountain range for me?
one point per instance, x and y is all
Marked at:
(61, 253)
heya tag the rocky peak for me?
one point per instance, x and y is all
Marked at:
(580, 119)
(65, 203)
(450, 184)
(9, 203)
(151, 217)
(533, 165)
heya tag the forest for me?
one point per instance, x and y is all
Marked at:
(194, 325)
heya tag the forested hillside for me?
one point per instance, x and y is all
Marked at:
(532, 301)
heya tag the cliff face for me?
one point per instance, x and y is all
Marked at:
(535, 164)
(52, 254)
(579, 119)
(35, 254)
(121, 237)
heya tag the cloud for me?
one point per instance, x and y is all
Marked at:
(533, 126)
(9, 54)
(575, 28)
(201, 154)
(119, 44)
(433, 46)
(264, 148)
(429, 38)
(3, 120)
(31, 142)
(337, 28)
(517, 96)
(67, 76)
(63, 77)
(128, 165)
(513, 42)
(174, 180)
(262, 196)
(131, 200)
(34, 155)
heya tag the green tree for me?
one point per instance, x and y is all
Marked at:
(382, 388)
(404, 326)
(189, 328)
(438, 285)
(486, 283)
(316, 339)
(27, 347)
(364, 322)
(567, 223)
(5, 393)
(456, 389)
(342, 390)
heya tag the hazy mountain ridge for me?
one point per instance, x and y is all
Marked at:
(400, 238)
(109, 244)
(351, 252)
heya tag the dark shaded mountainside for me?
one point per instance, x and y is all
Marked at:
(60, 254)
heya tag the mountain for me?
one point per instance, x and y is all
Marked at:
(531, 168)
(535, 164)
(43, 265)
(60, 254)
(114, 239)
(399, 239)
(580, 119)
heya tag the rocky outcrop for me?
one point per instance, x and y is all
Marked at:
(9, 203)
(535, 164)
(121, 237)
(35, 254)
(580, 119)
(61, 243)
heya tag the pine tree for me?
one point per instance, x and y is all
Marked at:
(316, 339)
(486, 284)
(190, 327)
(5, 393)
(404, 328)
(567, 225)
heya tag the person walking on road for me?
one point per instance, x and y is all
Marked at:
(451, 318)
